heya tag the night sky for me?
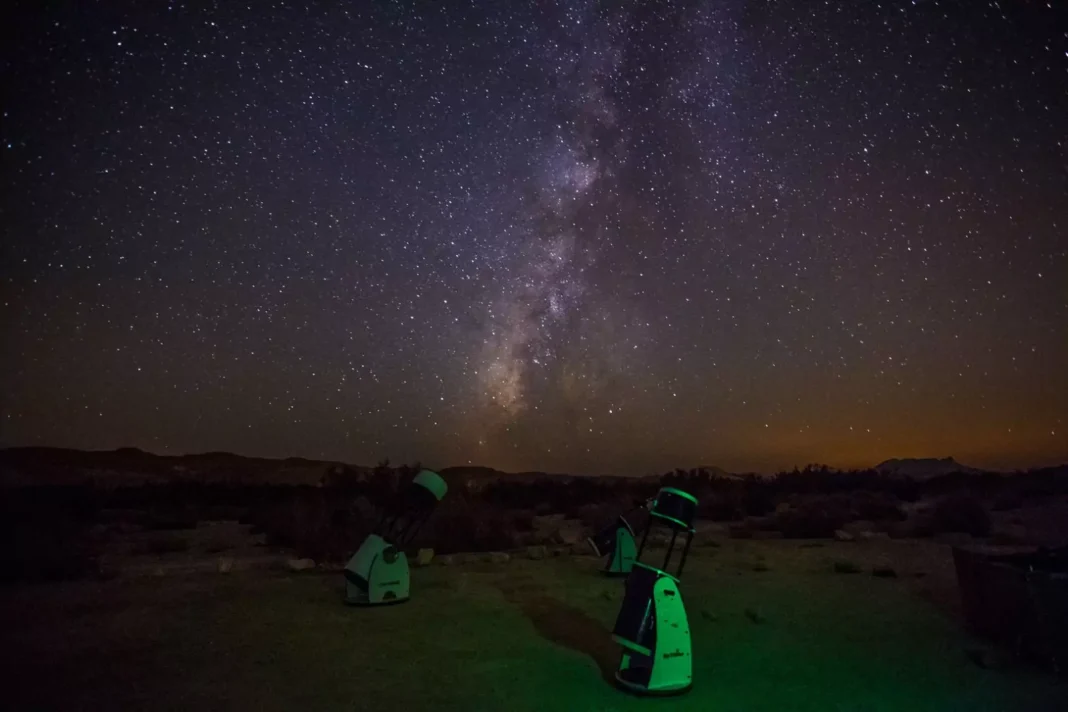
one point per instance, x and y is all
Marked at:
(574, 237)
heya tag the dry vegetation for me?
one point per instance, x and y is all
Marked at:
(58, 532)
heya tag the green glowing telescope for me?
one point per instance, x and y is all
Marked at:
(616, 541)
(378, 573)
(651, 626)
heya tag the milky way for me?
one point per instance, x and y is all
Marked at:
(581, 236)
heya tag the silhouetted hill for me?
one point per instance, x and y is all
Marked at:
(720, 473)
(131, 466)
(923, 467)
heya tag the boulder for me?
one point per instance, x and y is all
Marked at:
(537, 552)
(424, 557)
(300, 564)
(569, 534)
(841, 535)
(581, 549)
(497, 557)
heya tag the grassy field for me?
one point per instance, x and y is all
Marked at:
(524, 636)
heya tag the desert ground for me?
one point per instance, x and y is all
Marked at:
(775, 627)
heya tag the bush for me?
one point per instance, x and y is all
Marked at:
(315, 523)
(1008, 501)
(817, 518)
(46, 551)
(47, 534)
(726, 506)
(600, 515)
(523, 521)
(163, 544)
(960, 513)
(172, 520)
(742, 530)
(465, 525)
(876, 507)
(759, 498)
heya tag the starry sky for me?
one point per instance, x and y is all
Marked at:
(577, 236)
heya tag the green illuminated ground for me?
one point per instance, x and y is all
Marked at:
(522, 636)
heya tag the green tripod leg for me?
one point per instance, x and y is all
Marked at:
(622, 559)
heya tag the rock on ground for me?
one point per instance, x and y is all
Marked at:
(424, 557)
(300, 564)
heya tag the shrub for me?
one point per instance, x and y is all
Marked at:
(600, 515)
(172, 520)
(817, 518)
(960, 513)
(45, 551)
(726, 506)
(163, 544)
(1008, 501)
(466, 525)
(742, 530)
(876, 507)
(47, 534)
(523, 521)
(315, 523)
(759, 498)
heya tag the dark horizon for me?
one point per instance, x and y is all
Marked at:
(711, 468)
(578, 237)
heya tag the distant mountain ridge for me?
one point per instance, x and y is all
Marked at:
(132, 466)
(923, 467)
